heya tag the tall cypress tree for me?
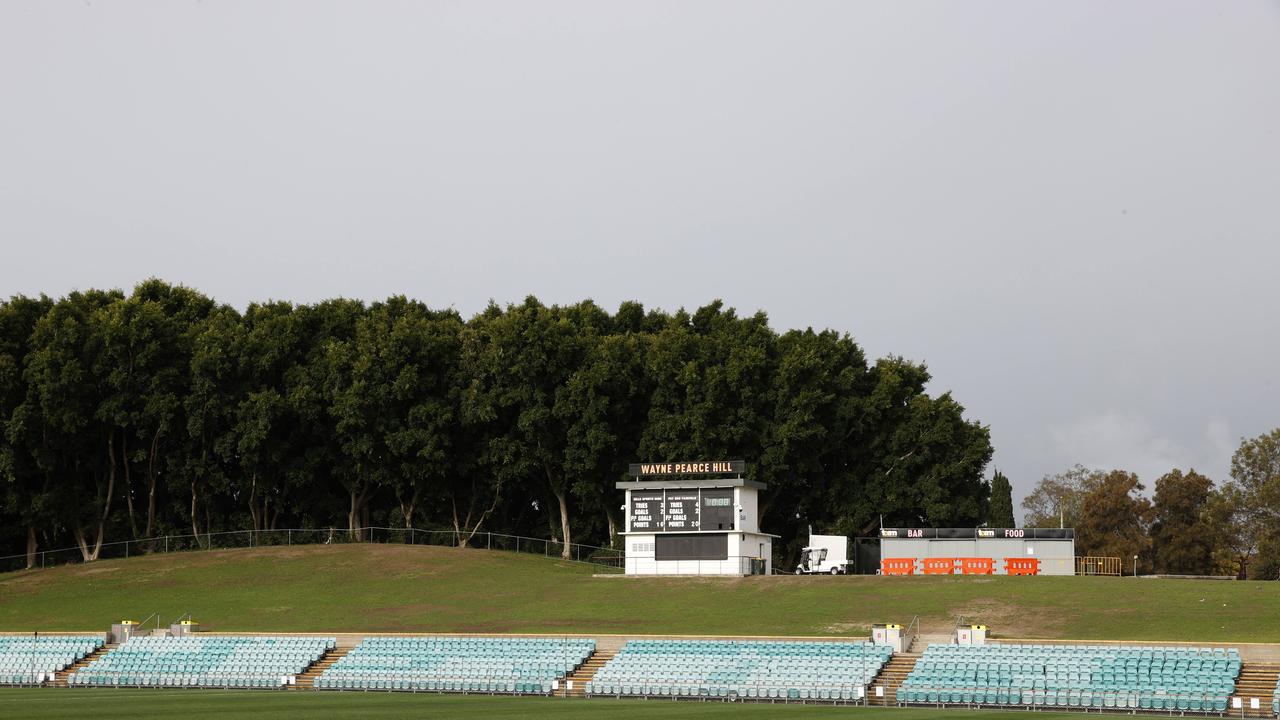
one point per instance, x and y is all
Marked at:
(1000, 510)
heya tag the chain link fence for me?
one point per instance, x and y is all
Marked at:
(607, 559)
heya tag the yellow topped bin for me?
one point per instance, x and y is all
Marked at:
(971, 635)
(888, 634)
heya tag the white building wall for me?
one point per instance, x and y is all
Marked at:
(1057, 556)
(749, 516)
(742, 547)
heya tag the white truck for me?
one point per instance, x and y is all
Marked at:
(825, 554)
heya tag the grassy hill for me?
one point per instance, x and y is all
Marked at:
(389, 588)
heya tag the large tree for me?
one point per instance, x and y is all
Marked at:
(28, 494)
(1114, 518)
(1255, 475)
(1000, 510)
(520, 364)
(75, 445)
(1182, 539)
(1058, 500)
(145, 360)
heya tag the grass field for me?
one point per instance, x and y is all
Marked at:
(359, 588)
(231, 705)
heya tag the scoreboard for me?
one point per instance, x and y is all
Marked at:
(693, 510)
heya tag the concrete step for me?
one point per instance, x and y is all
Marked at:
(307, 680)
(584, 673)
(60, 678)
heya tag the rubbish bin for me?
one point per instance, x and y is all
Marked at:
(888, 634)
(971, 635)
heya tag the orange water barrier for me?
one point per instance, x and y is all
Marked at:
(977, 566)
(898, 566)
(1022, 566)
(939, 566)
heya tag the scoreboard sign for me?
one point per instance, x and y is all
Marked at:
(693, 467)
(682, 510)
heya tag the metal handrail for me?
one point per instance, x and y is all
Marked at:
(909, 634)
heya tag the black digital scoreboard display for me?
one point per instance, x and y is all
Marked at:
(691, 510)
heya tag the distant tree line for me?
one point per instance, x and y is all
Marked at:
(1190, 526)
(165, 412)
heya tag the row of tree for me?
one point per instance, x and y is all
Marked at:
(1190, 526)
(164, 412)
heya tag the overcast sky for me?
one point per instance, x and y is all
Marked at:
(1070, 210)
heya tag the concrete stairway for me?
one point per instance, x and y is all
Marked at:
(585, 672)
(890, 678)
(307, 680)
(60, 678)
(1257, 680)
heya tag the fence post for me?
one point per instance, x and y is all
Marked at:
(250, 537)
(488, 541)
(411, 534)
(166, 544)
(288, 538)
(126, 549)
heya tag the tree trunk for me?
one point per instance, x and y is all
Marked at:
(406, 510)
(151, 483)
(613, 527)
(195, 524)
(564, 524)
(32, 545)
(128, 477)
(85, 552)
(253, 501)
(465, 526)
(353, 515)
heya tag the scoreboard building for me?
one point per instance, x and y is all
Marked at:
(694, 518)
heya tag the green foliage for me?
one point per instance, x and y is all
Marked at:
(1058, 500)
(1114, 518)
(1182, 537)
(1255, 489)
(161, 412)
(1000, 510)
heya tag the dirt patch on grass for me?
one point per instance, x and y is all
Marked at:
(1008, 620)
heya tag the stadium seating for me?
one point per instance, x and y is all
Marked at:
(204, 661)
(1075, 677)
(1275, 700)
(453, 664)
(28, 660)
(728, 669)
